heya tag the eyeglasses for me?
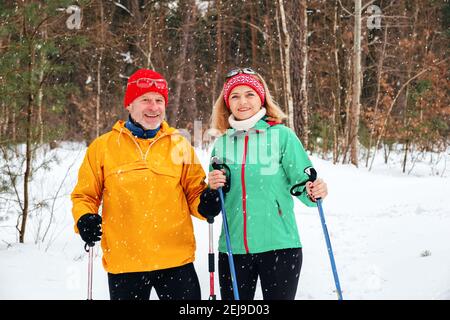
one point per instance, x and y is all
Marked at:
(147, 83)
(236, 71)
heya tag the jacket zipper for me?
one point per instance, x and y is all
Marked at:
(244, 193)
(144, 156)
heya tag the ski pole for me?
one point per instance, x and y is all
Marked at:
(89, 247)
(216, 165)
(230, 253)
(312, 178)
(212, 295)
(330, 250)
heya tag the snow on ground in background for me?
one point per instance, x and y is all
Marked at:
(389, 231)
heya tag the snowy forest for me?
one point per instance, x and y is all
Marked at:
(358, 79)
(349, 74)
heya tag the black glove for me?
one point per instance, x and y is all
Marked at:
(209, 206)
(89, 226)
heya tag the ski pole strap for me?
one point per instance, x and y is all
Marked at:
(298, 185)
(217, 164)
(312, 176)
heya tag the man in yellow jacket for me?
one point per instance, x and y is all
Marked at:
(150, 181)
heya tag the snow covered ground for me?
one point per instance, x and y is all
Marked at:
(390, 234)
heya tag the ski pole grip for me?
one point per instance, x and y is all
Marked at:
(218, 164)
(215, 162)
(312, 174)
(88, 245)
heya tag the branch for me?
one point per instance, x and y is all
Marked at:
(37, 28)
(123, 7)
(343, 8)
(257, 28)
(10, 175)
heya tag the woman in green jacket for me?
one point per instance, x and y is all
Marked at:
(264, 160)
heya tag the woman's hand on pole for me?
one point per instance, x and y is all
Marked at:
(216, 179)
(317, 189)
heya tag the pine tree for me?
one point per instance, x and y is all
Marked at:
(34, 73)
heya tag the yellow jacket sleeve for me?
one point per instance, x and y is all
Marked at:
(193, 181)
(87, 194)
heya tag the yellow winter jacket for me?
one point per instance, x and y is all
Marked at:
(149, 188)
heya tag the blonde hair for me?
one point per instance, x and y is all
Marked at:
(221, 113)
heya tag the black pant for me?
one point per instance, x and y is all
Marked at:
(278, 270)
(179, 283)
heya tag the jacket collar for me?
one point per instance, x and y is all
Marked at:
(247, 123)
(139, 131)
(260, 127)
(165, 129)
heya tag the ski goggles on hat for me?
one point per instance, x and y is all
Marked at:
(236, 71)
(147, 83)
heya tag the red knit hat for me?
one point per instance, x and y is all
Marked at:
(143, 81)
(243, 79)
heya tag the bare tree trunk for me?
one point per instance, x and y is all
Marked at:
(99, 92)
(3, 120)
(405, 157)
(357, 79)
(295, 28)
(282, 65)
(348, 102)
(304, 64)
(337, 97)
(378, 94)
(13, 123)
(191, 92)
(334, 128)
(179, 80)
(268, 31)
(14, 117)
(219, 44)
(40, 97)
(387, 151)
(136, 11)
(99, 72)
(27, 174)
(40, 103)
(240, 58)
(409, 67)
(253, 33)
(28, 143)
(150, 42)
(287, 69)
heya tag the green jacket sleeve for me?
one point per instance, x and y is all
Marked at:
(294, 161)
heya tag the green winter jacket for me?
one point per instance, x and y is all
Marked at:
(265, 162)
